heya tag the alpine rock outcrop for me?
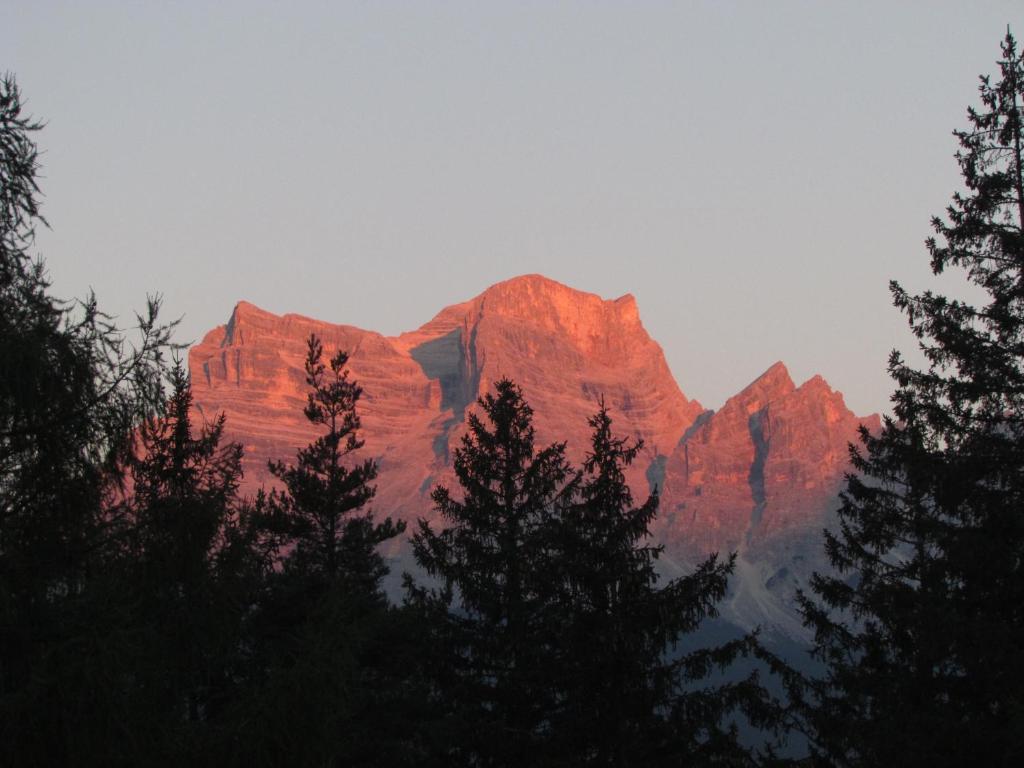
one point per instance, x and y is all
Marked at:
(759, 476)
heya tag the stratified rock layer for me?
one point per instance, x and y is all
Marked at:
(769, 462)
(563, 347)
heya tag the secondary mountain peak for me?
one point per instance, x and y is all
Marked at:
(770, 385)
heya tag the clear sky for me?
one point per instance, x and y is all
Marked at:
(753, 172)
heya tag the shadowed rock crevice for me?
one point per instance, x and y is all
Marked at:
(656, 473)
(444, 359)
(693, 429)
(475, 366)
(760, 434)
(682, 448)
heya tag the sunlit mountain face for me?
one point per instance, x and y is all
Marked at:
(758, 477)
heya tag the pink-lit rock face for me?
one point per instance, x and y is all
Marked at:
(562, 346)
(769, 461)
(252, 370)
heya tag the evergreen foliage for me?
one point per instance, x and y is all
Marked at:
(922, 627)
(322, 680)
(554, 642)
(319, 514)
(496, 564)
(191, 571)
(629, 693)
(616, 677)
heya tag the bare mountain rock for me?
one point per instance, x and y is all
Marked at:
(765, 467)
(563, 347)
(770, 461)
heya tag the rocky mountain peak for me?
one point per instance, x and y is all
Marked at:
(771, 385)
(771, 458)
(534, 305)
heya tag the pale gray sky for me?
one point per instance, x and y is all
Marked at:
(753, 172)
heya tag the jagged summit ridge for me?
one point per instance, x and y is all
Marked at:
(595, 327)
(767, 462)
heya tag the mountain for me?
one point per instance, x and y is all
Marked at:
(759, 476)
(563, 347)
(770, 461)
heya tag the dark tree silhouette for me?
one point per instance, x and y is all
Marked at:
(628, 695)
(323, 685)
(192, 568)
(496, 566)
(321, 511)
(922, 628)
(72, 389)
(553, 642)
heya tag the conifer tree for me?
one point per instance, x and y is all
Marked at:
(628, 695)
(72, 389)
(183, 490)
(321, 512)
(183, 521)
(922, 628)
(322, 681)
(495, 561)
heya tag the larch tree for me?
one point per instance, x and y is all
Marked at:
(73, 388)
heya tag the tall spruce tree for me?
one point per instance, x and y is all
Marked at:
(322, 683)
(627, 694)
(922, 628)
(619, 626)
(321, 512)
(496, 562)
